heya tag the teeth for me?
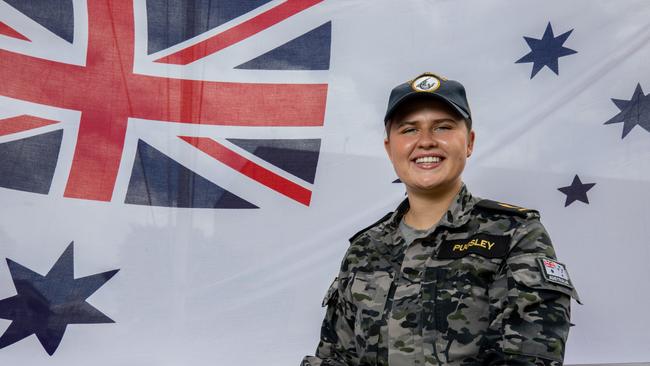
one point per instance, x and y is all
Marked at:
(428, 159)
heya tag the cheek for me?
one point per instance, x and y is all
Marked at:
(459, 145)
(400, 146)
(458, 150)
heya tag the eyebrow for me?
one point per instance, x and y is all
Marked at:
(411, 123)
(402, 123)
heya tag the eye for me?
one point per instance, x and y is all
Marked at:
(408, 130)
(444, 127)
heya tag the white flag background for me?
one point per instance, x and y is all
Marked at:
(202, 286)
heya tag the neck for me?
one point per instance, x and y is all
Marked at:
(427, 208)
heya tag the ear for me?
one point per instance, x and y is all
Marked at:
(470, 143)
(387, 147)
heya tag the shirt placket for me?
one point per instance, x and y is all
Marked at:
(404, 323)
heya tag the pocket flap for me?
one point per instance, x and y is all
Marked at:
(370, 289)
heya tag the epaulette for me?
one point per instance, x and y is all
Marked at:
(369, 226)
(506, 208)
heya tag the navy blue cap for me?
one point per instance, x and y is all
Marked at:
(430, 85)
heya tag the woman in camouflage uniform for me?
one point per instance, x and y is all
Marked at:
(448, 278)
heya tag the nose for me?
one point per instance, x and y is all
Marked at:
(427, 140)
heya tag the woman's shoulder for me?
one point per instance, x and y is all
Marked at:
(507, 209)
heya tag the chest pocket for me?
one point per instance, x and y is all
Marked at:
(456, 304)
(369, 292)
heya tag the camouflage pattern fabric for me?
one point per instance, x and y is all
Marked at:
(479, 290)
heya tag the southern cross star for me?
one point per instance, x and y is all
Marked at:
(546, 51)
(633, 112)
(577, 191)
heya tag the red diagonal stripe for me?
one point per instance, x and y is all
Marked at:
(238, 32)
(10, 32)
(250, 169)
(22, 123)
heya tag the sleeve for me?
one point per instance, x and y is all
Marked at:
(337, 344)
(529, 303)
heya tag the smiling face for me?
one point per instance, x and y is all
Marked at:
(428, 144)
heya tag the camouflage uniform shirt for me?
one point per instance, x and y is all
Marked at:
(483, 288)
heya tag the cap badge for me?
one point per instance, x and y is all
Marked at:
(425, 83)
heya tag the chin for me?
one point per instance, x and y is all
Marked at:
(431, 187)
(423, 188)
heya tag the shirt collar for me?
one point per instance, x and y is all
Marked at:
(457, 214)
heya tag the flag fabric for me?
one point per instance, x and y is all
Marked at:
(179, 178)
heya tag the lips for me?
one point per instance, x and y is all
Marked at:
(428, 159)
